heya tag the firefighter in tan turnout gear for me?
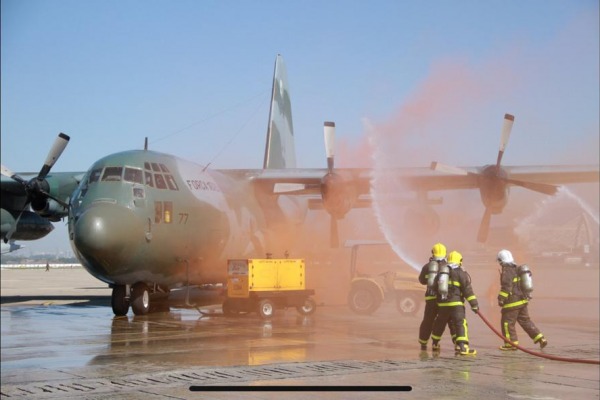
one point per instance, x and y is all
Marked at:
(453, 287)
(427, 277)
(515, 289)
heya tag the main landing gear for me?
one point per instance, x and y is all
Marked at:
(136, 296)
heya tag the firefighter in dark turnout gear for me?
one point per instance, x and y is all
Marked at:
(427, 277)
(451, 305)
(514, 302)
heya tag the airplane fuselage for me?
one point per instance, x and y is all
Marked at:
(143, 216)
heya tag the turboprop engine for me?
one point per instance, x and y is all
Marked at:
(338, 192)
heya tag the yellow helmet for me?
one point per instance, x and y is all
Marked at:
(439, 251)
(455, 258)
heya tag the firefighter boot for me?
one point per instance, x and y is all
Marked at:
(435, 346)
(508, 347)
(464, 350)
(543, 343)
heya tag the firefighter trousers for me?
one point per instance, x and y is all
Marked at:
(429, 315)
(453, 316)
(511, 316)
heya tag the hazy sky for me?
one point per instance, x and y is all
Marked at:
(195, 76)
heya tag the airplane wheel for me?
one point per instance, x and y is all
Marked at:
(309, 307)
(140, 299)
(407, 304)
(266, 308)
(120, 305)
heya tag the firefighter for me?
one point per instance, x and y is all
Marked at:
(453, 287)
(427, 277)
(513, 298)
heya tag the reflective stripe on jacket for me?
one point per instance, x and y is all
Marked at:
(510, 295)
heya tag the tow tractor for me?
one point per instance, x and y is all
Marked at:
(266, 284)
(367, 292)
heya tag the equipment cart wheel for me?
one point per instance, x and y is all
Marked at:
(266, 309)
(407, 303)
(364, 298)
(308, 308)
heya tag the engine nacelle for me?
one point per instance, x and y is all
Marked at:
(493, 189)
(30, 227)
(338, 193)
(49, 208)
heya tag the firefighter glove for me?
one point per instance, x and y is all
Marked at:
(475, 309)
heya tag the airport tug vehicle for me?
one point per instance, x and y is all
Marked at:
(367, 292)
(263, 285)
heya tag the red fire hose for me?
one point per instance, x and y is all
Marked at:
(575, 360)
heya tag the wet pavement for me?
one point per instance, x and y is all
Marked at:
(61, 340)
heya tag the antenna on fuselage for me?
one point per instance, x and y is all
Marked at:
(146, 143)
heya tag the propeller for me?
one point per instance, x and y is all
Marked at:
(37, 188)
(484, 226)
(329, 136)
(506, 129)
(494, 175)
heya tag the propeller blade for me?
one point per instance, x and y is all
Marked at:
(282, 187)
(448, 169)
(56, 199)
(13, 228)
(484, 226)
(334, 240)
(57, 148)
(12, 175)
(7, 172)
(535, 186)
(506, 129)
(329, 133)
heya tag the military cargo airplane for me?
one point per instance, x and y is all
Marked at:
(147, 222)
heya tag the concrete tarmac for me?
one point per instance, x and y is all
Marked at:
(60, 340)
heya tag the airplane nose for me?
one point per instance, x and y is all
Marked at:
(106, 232)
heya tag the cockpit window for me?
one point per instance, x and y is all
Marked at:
(158, 175)
(149, 180)
(133, 175)
(95, 175)
(171, 182)
(112, 174)
(160, 181)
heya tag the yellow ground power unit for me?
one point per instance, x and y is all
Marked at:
(264, 284)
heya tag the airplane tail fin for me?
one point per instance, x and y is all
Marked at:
(280, 150)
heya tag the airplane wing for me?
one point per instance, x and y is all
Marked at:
(556, 175)
(307, 181)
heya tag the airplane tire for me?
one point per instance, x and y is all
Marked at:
(266, 308)
(407, 304)
(120, 305)
(140, 299)
(308, 308)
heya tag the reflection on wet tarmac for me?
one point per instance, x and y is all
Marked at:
(49, 346)
(185, 339)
